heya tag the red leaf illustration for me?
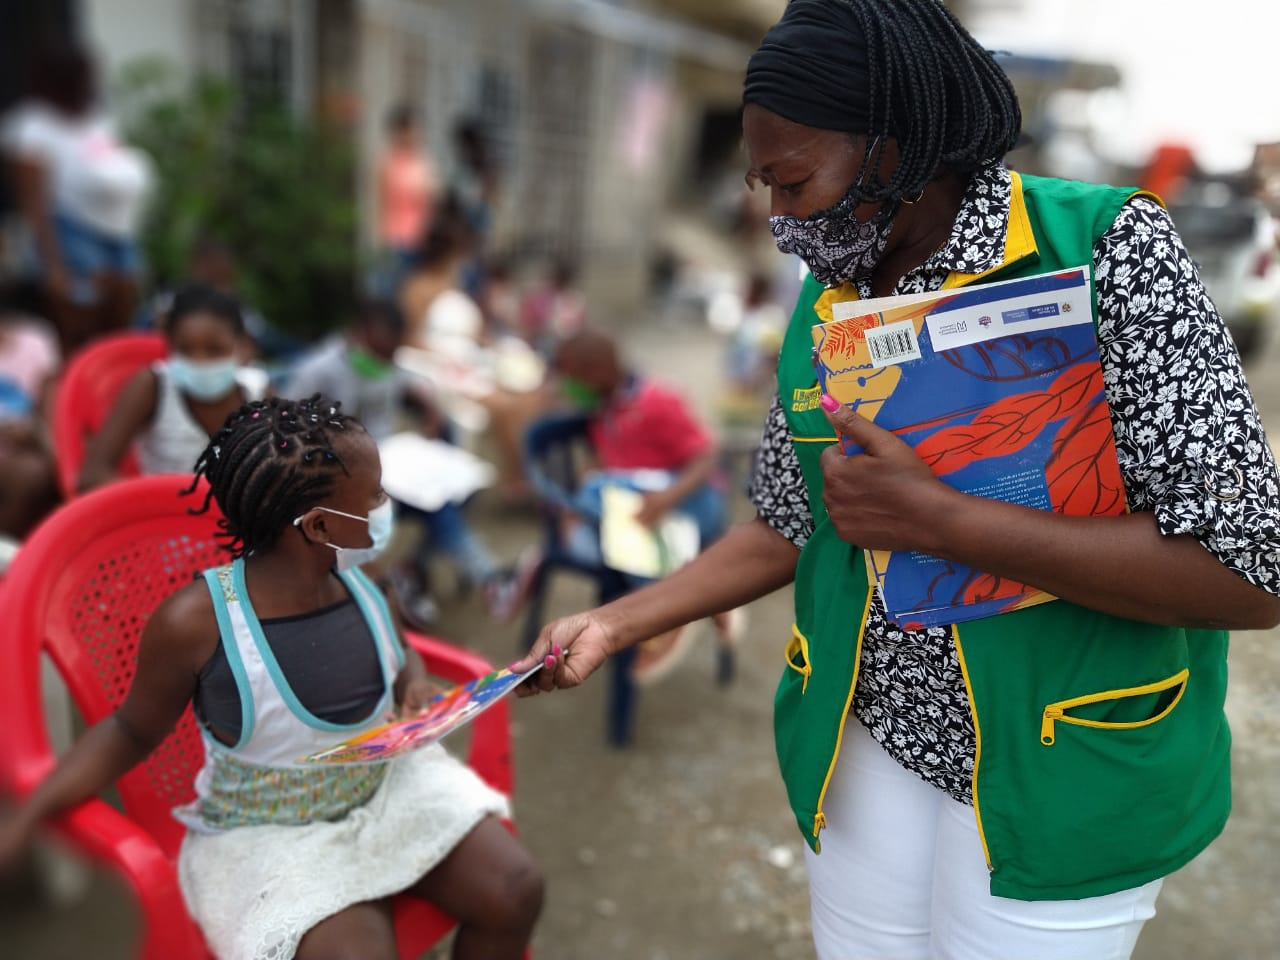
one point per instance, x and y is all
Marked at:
(843, 337)
(1083, 473)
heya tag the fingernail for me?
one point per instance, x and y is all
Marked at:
(557, 650)
(550, 661)
(512, 665)
(829, 403)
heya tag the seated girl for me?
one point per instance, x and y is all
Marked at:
(168, 411)
(286, 651)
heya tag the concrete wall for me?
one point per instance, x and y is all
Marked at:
(123, 30)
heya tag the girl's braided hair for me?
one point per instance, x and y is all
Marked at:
(272, 460)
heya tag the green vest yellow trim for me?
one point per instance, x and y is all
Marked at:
(1103, 749)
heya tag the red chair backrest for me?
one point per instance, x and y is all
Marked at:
(83, 585)
(89, 386)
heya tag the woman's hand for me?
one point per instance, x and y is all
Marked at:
(884, 498)
(570, 649)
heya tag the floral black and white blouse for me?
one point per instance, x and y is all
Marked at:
(1187, 435)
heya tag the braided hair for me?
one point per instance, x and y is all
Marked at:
(933, 88)
(272, 461)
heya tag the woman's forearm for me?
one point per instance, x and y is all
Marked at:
(751, 560)
(1118, 565)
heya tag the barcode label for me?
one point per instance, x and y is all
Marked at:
(893, 343)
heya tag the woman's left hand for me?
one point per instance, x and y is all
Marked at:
(885, 498)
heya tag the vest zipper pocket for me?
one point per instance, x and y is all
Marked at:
(798, 650)
(1058, 712)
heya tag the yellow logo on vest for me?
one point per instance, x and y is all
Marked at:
(805, 400)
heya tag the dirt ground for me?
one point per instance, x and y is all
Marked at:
(682, 847)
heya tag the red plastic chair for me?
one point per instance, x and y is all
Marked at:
(89, 386)
(81, 589)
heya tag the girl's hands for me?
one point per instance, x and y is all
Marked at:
(15, 837)
(418, 692)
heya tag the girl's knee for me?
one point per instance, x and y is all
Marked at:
(522, 890)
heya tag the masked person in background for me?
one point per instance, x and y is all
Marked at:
(947, 813)
(168, 411)
(644, 437)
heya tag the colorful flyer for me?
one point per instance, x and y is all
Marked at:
(450, 710)
(999, 388)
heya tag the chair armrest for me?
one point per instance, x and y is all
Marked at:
(490, 751)
(111, 838)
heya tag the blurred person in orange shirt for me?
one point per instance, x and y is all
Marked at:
(408, 184)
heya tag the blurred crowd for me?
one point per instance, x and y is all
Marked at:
(452, 350)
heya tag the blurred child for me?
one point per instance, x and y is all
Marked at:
(448, 327)
(212, 264)
(28, 485)
(168, 411)
(357, 370)
(406, 190)
(643, 436)
(555, 311)
(286, 651)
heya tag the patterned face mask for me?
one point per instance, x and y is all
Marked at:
(836, 245)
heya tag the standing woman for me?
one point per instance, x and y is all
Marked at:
(81, 192)
(955, 816)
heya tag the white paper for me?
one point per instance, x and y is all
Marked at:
(427, 473)
(631, 547)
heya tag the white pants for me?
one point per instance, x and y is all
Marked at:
(902, 876)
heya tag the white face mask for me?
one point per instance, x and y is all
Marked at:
(204, 379)
(380, 522)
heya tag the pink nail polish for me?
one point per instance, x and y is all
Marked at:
(512, 665)
(557, 650)
(829, 403)
(550, 661)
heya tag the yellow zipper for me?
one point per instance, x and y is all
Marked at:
(977, 750)
(1057, 712)
(820, 818)
(798, 643)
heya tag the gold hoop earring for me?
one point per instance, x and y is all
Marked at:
(914, 200)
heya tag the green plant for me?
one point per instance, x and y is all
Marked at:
(278, 190)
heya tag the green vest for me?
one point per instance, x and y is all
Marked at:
(1102, 758)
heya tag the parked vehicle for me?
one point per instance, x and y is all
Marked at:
(1232, 238)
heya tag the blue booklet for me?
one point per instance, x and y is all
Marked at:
(999, 389)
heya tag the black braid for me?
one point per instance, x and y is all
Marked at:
(271, 461)
(933, 88)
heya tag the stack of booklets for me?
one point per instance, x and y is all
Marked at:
(999, 389)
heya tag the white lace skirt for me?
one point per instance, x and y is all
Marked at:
(255, 891)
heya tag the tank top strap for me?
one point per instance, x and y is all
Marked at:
(373, 605)
(237, 642)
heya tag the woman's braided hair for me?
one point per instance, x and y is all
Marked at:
(272, 461)
(934, 89)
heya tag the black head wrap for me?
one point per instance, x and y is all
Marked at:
(811, 68)
(902, 69)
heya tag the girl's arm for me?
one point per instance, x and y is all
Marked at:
(414, 688)
(178, 640)
(131, 412)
